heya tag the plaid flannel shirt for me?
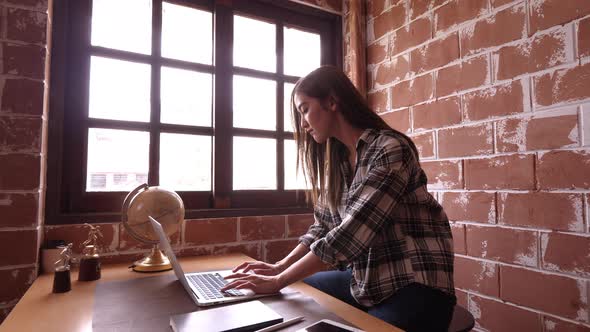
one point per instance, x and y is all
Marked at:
(388, 229)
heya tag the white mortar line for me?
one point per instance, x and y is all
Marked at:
(19, 266)
(522, 115)
(528, 268)
(521, 228)
(487, 297)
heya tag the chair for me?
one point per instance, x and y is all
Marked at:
(462, 320)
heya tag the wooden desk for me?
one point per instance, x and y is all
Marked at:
(41, 310)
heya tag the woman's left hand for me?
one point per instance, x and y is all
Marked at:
(260, 284)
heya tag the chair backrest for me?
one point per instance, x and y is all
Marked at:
(462, 320)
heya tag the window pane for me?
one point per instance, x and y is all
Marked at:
(118, 160)
(177, 21)
(254, 103)
(119, 90)
(255, 173)
(254, 44)
(122, 25)
(185, 97)
(185, 162)
(287, 117)
(302, 52)
(293, 178)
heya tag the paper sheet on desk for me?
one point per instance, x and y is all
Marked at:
(146, 304)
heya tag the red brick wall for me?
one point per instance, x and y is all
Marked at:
(496, 94)
(23, 119)
(23, 40)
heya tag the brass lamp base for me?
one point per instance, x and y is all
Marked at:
(155, 261)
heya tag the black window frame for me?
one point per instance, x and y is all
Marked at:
(68, 202)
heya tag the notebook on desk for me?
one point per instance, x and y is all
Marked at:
(202, 287)
(241, 317)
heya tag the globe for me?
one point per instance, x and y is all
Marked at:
(162, 204)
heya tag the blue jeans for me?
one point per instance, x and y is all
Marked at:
(415, 307)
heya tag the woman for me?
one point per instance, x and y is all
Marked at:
(374, 219)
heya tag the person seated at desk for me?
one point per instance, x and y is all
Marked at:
(374, 219)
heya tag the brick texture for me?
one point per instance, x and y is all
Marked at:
(497, 93)
(18, 247)
(503, 244)
(504, 27)
(564, 170)
(419, 7)
(477, 276)
(277, 250)
(15, 283)
(392, 71)
(77, 234)
(413, 34)
(526, 134)
(411, 92)
(211, 231)
(378, 100)
(539, 53)
(21, 96)
(568, 296)
(496, 101)
(20, 134)
(436, 114)
(377, 52)
(505, 172)
(458, 11)
(458, 231)
(262, 228)
(543, 210)
(466, 141)
(19, 210)
(584, 37)
(465, 75)
(547, 13)
(298, 224)
(399, 120)
(562, 86)
(470, 206)
(444, 174)
(566, 253)
(425, 144)
(435, 54)
(19, 172)
(26, 26)
(24, 60)
(499, 316)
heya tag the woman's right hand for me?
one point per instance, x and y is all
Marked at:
(258, 267)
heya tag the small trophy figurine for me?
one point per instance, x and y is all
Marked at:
(61, 277)
(90, 261)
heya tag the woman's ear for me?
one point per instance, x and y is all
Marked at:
(332, 103)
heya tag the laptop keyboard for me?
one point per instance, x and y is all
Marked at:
(209, 285)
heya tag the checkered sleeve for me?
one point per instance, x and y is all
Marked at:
(318, 229)
(367, 211)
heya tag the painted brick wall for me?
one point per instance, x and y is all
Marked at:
(23, 38)
(496, 94)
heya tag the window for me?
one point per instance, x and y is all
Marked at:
(191, 95)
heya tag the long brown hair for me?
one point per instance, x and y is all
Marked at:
(321, 163)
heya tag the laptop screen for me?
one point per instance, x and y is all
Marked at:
(165, 246)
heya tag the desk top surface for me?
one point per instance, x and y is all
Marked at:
(41, 310)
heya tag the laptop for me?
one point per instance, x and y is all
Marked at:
(202, 287)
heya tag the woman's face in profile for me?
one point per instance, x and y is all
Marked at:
(315, 119)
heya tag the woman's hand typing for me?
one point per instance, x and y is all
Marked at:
(260, 268)
(260, 284)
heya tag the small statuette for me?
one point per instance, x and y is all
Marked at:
(61, 276)
(90, 261)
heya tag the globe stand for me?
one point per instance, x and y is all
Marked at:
(155, 261)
